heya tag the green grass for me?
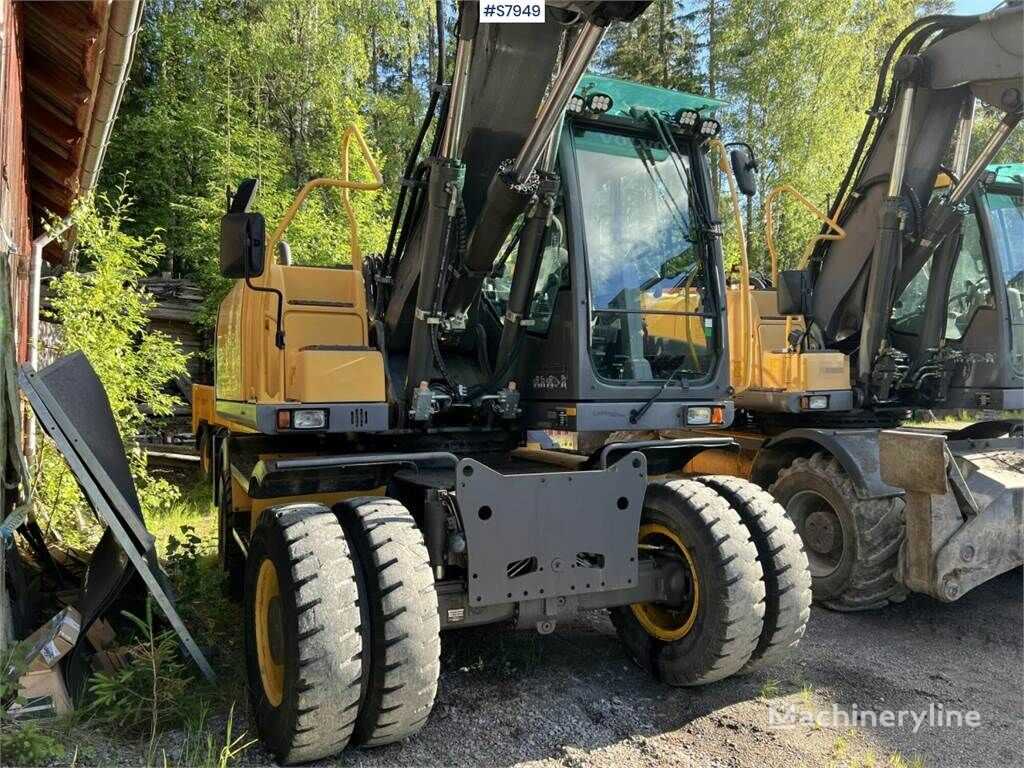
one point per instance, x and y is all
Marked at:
(964, 417)
(770, 689)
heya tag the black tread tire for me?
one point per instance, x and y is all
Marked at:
(786, 575)
(323, 640)
(731, 612)
(405, 628)
(874, 530)
(204, 447)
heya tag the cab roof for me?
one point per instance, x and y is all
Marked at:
(1007, 173)
(626, 95)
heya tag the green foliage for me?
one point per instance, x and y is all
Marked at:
(660, 48)
(199, 747)
(183, 564)
(12, 666)
(26, 744)
(154, 690)
(222, 90)
(798, 77)
(102, 312)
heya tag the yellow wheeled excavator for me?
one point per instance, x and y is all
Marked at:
(375, 431)
(908, 298)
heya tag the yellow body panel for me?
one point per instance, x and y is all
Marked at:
(773, 367)
(203, 408)
(685, 329)
(326, 358)
(336, 376)
(804, 371)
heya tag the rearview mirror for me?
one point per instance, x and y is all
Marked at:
(793, 293)
(743, 168)
(242, 245)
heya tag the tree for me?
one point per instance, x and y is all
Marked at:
(659, 48)
(102, 313)
(224, 89)
(797, 77)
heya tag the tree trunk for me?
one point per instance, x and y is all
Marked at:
(661, 44)
(712, 87)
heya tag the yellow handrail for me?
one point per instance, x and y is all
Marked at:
(746, 321)
(838, 232)
(344, 184)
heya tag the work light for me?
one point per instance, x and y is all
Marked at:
(598, 103)
(687, 119)
(709, 128)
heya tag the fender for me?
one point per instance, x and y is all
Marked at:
(855, 449)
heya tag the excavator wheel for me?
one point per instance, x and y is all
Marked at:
(781, 554)
(397, 590)
(303, 633)
(852, 544)
(715, 626)
(204, 447)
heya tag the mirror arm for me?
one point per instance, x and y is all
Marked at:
(279, 336)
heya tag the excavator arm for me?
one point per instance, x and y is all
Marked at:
(509, 89)
(945, 63)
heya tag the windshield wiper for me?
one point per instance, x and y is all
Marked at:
(674, 209)
(638, 413)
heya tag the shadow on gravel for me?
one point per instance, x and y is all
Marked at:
(507, 697)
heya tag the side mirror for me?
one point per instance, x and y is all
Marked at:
(793, 292)
(242, 245)
(743, 168)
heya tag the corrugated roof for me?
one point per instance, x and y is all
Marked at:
(61, 39)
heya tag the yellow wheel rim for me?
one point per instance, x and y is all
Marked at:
(662, 621)
(269, 633)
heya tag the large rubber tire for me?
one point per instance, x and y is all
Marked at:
(730, 609)
(781, 554)
(320, 640)
(397, 589)
(204, 447)
(864, 573)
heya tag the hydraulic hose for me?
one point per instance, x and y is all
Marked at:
(410, 165)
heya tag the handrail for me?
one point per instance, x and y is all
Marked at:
(838, 232)
(344, 184)
(746, 322)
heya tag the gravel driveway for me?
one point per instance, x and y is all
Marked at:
(574, 699)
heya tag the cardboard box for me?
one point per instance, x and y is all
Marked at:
(49, 643)
(44, 694)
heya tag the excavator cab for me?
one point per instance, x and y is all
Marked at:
(984, 309)
(628, 301)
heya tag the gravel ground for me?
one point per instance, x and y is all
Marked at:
(573, 698)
